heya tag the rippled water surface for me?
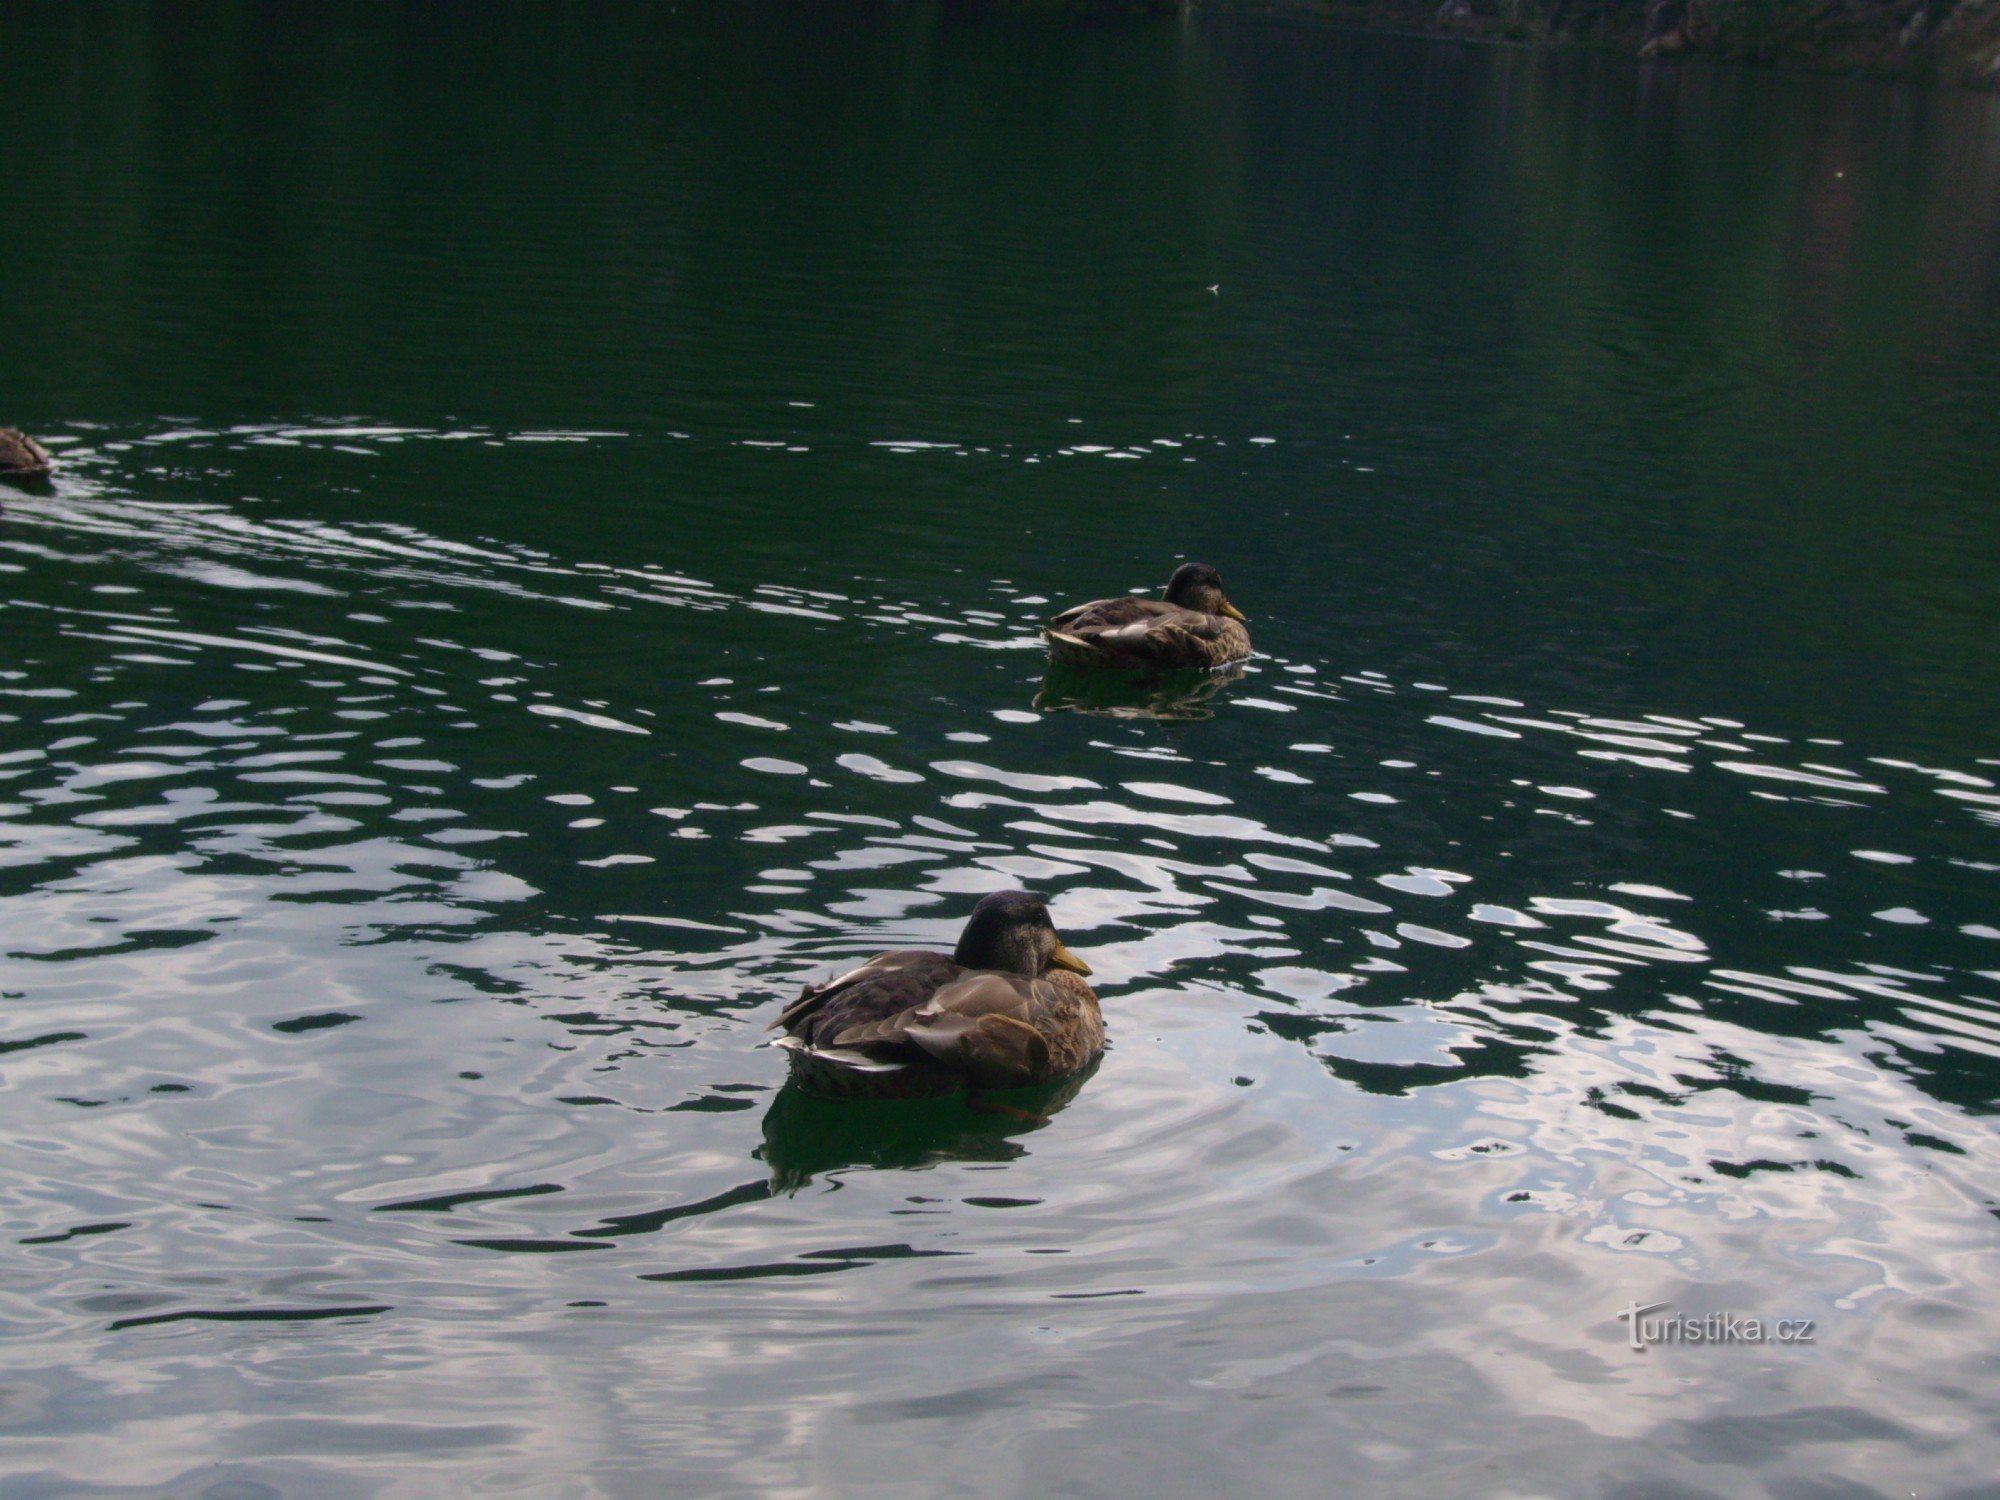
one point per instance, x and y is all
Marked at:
(554, 512)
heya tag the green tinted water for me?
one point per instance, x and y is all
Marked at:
(554, 512)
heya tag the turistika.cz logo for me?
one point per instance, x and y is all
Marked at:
(1642, 1330)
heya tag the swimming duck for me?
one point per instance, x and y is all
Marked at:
(21, 457)
(1194, 625)
(1007, 1008)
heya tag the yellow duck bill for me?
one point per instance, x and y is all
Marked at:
(1062, 958)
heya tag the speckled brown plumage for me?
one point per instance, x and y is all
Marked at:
(1194, 625)
(21, 457)
(1006, 1009)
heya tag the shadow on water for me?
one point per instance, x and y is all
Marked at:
(1177, 696)
(807, 1135)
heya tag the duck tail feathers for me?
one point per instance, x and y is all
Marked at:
(849, 1058)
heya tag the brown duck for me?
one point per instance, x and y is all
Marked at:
(1194, 625)
(1006, 1009)
(21, 457)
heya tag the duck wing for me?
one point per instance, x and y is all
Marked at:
(886, 984)
(1155, 632)
(1107, 614)
(980, 1024)
(1189, 633)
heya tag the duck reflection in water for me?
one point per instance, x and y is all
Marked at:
(807, 1135)
(1179, 695)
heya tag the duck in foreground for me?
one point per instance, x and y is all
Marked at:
(1194, 625)
(21, 457)
(1008, 1008)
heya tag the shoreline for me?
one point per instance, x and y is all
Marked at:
(1954, 42)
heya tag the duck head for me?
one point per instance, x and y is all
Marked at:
(1011, 931)
(1198, 586)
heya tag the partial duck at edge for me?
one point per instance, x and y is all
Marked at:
(21, 457)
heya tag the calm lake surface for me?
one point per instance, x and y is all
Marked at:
(554, 510)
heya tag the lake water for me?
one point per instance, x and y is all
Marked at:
(554, 510)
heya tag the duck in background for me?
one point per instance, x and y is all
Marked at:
(1192, 625)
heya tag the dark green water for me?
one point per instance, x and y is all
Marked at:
(554, 510)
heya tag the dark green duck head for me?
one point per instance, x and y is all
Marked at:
(1198, 586)
(1011, 931)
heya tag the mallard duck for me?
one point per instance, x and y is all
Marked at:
(1008, 1008)
(1194, 625)
(21, 457)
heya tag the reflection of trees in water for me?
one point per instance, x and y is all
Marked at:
(806, 1135)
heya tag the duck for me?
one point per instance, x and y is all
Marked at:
(21, 457)
(1009, 1007)
(1192, 625)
